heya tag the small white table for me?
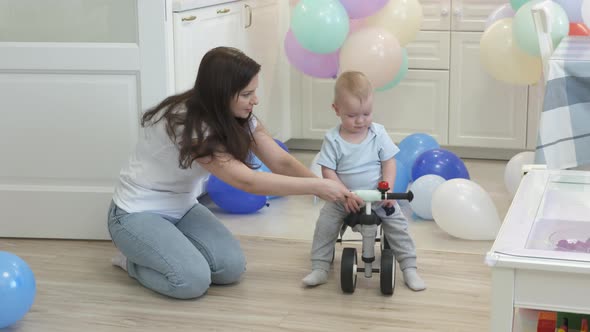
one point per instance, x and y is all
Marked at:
(527, 269)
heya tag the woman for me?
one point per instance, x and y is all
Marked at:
(168, 241)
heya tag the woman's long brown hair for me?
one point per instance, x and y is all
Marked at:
(208, 125)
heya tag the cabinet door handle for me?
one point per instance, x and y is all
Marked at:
(444, 12)
(189, 18)
(223, 11)
(458, 12)
(249, 16)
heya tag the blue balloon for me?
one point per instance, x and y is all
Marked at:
(233, 200)
(402, 178)
(412, 146)
(439, 162)
(282, 145)
(17, 288)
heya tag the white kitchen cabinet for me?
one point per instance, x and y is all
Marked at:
(436, 15)
(199, 30)
(252, 26)
(430, 50)
(263, 42)
(483, 111)
(418, 104)
(471, 15)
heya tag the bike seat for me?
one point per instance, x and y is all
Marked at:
(361, 218)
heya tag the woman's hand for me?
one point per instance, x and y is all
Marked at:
(353, 203)
(332, 191)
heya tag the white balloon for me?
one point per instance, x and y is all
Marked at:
(586, 12)
(513, 171)
(465, 210)
(423, 189)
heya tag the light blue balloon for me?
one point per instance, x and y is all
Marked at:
(401, 74)
(402, 178)
(423, 189)
(524, 31)
(320, 26)
(412, 146)
(17, 288)
(516, 4)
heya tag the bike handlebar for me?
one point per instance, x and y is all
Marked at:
(376, 195)
(409, 196)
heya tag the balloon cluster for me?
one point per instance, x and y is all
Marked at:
(423, 165)
(510, 47)
(327, 37)
(443, 190)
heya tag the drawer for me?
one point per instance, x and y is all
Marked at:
(430, 50)
(184, 5)
(471, 15)
(548, 290)
(192, 16)
(436, 14)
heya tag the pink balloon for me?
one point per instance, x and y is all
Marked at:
(362, 8)
(504, 11)
(355, 25)
(373, 51)
(310, 63)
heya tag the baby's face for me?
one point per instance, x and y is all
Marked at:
(356, 115)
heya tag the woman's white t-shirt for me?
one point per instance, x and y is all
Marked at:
(153, 181)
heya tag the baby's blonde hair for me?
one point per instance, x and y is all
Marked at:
(352, 83)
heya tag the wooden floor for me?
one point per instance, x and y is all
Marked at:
(78, 290)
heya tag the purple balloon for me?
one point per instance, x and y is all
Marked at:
(310, 63)
(362, 8)
(573, 9)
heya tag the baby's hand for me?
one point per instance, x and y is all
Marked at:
(388, 207)
(389, 203)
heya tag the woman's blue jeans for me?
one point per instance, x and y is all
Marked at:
(179, 258)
